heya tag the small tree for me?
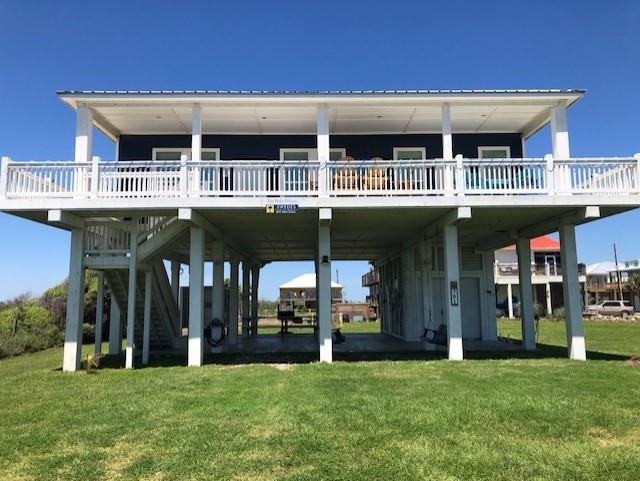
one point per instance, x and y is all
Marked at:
(633, 285)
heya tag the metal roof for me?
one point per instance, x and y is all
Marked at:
(323, 92)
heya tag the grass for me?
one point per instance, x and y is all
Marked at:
(481, 419)
(610, 337)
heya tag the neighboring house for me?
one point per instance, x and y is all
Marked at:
(546, 276)
(602, 281)
(300, 293)
(371, 280)
(425, 184)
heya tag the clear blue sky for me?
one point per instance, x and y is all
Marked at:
(309, 45)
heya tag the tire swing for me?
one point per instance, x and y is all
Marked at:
(215, 332)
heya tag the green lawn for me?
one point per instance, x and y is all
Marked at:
(386, 420)
(610, 337)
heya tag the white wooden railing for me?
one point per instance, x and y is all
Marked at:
(107, 238)
(258, 178)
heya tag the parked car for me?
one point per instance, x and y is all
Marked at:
(623, 309)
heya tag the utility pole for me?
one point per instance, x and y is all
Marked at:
(615, 258)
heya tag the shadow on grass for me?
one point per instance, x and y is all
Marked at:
(544, 351)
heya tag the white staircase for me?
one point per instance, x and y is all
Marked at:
(164, 328)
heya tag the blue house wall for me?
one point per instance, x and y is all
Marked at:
(267, 147)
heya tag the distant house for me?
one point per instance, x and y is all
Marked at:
(300, 293)
(602, 281)
(546, 276)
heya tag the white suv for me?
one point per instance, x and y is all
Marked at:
(623, 309)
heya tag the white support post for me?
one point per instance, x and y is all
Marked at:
(246, 289)
(547, 295)
(175, 280)
(4, 176)
(115, 329)
(510, 301)
(95, 176)
(460, 183)
(560, 132)
(489, 324)
(75, 304)
(255, 299)
(196, 146)
(560, 145)
(523, 248)
(551, 175)
(146, 326)
(447, 137)
(196, 297)
(452, 309)
(99, 313)
(323, 289)
(133, 290)
(571, 291)
(184, 176)
(233, 298)
(84, 133)
(323, 149)
(447, 148)
(217, 292)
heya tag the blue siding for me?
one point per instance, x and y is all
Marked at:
(139, 147)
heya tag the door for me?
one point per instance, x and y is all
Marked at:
(551, 262)
(470, 305)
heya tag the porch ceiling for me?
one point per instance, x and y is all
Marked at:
(356, 234)
(369, 234)
(521, 112)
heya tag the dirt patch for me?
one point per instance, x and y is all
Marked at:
(282, 366)
(634, 361)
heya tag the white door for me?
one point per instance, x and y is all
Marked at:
(469, 304)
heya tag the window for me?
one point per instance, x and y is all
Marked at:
(310, 154)
(409, 153)
(160, 153)
(337, 154)
(494, 152)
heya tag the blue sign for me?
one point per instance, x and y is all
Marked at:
(285, 208)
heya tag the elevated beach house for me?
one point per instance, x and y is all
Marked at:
(425, 184)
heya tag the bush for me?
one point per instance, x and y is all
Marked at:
(88, 332)
(538, 309)
(558, 314)
(27, 327)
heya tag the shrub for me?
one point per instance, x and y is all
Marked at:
(558, 314)
(27, 327)
(538, 309)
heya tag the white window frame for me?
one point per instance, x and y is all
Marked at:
(183, 151)
(494, 147)
(397, 150)
(313, 153)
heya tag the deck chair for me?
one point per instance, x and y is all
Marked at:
(436, 336)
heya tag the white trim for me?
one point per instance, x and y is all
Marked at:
(397, 150)
(183, 151)
(482, 148)
(313, 153)
(311, 132)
